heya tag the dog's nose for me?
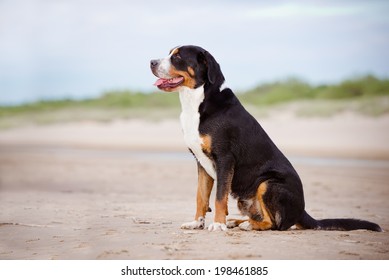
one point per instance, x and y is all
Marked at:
(154, 63)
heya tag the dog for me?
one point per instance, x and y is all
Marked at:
(234, 153)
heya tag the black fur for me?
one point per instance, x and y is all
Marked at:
(240, 144)
(336, 224)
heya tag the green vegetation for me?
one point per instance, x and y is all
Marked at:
(109, 100)
(128, 99)
(367, 95)
(294, 89)
(111, 105)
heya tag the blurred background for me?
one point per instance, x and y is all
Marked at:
(89, 60)
(92, 158)
(77, 50)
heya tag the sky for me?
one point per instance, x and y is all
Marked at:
(83, 48)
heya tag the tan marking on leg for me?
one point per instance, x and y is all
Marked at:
(231, 223)
(206, 146)
(264, 225)
(204, 188)
(266, 222)
(221, 210)
(221, 203)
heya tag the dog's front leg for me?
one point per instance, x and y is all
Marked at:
(204, 188)
(224, 173)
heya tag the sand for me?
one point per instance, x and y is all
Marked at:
(121, 190)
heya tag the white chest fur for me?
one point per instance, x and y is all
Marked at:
(190, 120)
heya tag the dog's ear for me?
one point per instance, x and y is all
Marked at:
(173, 49)
(214, 73)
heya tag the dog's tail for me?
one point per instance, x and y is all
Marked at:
(307, 222)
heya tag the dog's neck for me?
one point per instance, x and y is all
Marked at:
(191, 98)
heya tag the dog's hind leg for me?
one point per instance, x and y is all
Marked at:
(232, 223)
(259, 215)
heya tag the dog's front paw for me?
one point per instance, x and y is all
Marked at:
(217, 227)
(197, 224)
(246, 226)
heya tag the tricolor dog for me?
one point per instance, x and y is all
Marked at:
(234, 153)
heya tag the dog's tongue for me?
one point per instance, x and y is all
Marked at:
(162, 81)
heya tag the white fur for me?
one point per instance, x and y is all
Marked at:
(164, 66)
(199, 224)
(278, 218)
(217, 227)
(190, 120)
(246, 226)
(231, 224)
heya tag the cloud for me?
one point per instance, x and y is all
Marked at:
(80, 48)
(296, 10)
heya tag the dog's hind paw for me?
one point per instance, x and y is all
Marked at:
(217, 227)
(232, 223)
(246, 226)
(199, 224)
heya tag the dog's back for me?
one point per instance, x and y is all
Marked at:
(232, 149)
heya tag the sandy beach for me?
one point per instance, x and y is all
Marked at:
(121, 190)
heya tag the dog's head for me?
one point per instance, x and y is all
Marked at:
(187, 66)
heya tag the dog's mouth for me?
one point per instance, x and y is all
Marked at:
(166, 84)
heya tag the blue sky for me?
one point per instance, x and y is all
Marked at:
(78, 49)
